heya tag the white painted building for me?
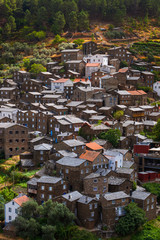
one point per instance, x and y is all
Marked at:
(12, 207)
(115, 159)
(97, 58)
(58, 85)
(9, 112)
(156, 87)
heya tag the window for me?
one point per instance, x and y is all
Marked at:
(95, 189)
(23, 132)
(17, 132)
(152, 199)
(50, 188)
(95, 205)
(50, 197)
(147, 201)
(10, 209)
(42, 195)
(10, 218)
(82, 172)
(113, 202)
(123, 200)
(10, 149)
(16, 211)
(147, 208)
(67, 171)
(105, 180)
(64, 187)
(10, 140)
(10, 132)
(92, 214)
(42, 187)
(95, 181)
(152, 206)
(90, 206)
(12, 203)
(41, 152)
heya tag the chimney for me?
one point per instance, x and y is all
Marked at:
(131, 192)
(69, 197)
(86, 199)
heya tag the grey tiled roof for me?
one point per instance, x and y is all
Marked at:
(72, 196)
(70, 161)
(48, 179)
(140, 195)
(115, 195)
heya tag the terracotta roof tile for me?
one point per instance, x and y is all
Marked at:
(21, 200)
(123, 70)
(79, 80)
(62, 80)
(92, 64)
(89, 155)
(94, 146)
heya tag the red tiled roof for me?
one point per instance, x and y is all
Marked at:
(79, 80)
(62, 80)
(89, 155)
(123, 70)
(94, 146)
(92, 64)
(138, 92)
(21, 200)
(142, 92)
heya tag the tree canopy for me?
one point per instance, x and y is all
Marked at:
(57, 15)
(112, 135)
(134, 218)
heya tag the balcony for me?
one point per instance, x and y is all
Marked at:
(34, 191)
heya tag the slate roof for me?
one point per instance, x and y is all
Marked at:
(74, 143)
(43, 147)
(70, 161)
(49, 179)
(115, 195)
(72, 196)
(140, 195)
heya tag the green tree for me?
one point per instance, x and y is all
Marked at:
(118, 114)
(73, 21)
(2, 202)
(48, 232)
(12, 23)
(156, 131)
(123, 64)
(59, 23)
(83, 21)
(112, 135)
(37, 68)
(134, 218)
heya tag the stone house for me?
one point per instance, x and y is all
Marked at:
(147, 79)
(96, 184)
(76, 66)
(113, 205)
(32, 85)
(90, 68)
(120, 53)
(93, 130)
(49, 187)
(73, 170)
(20, 77)
(9, 93)
(88, 211)
(136, 113)
(89, 47)
(127, 173)
(116, 184)
(124, 97)
(71, 54)
(72, 145)
(41, 153)
(96, 158)
(147, 201)
(96, 78)
(13, 139)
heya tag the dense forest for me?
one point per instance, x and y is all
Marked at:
(33, 18)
